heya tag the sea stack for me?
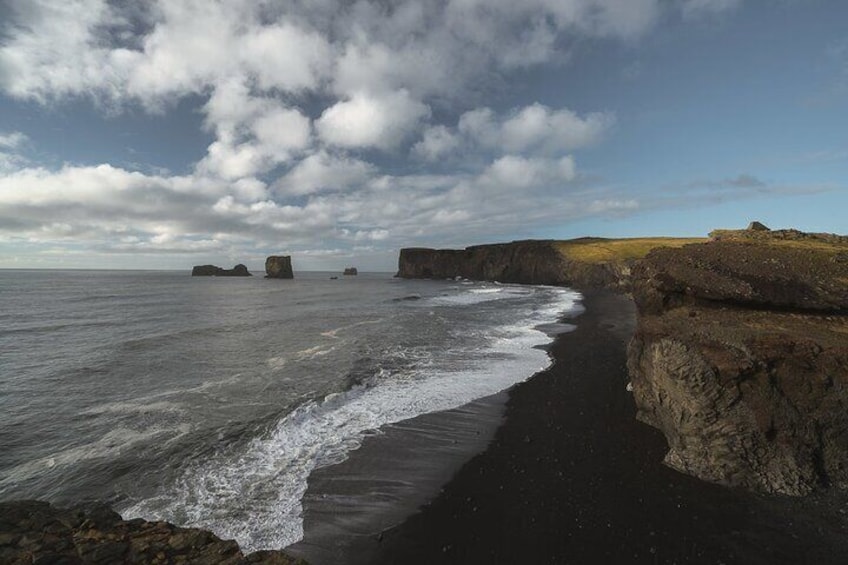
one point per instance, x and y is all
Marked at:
(350, 271)
(278, 267)
(215, 271)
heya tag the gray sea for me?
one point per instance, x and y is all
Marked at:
(209, 401)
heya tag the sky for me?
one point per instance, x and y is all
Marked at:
(169, 133)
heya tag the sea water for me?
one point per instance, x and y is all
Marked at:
(209, 401)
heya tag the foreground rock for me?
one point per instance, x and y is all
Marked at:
(740, 358)
(37, 532)
(214, 271)
(278, 267)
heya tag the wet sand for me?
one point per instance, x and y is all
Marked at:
(571, 477)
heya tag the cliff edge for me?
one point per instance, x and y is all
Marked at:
(740, 358)
(589, 262)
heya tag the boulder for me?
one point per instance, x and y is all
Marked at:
(278, 267)
(37, 532)
(757, 226)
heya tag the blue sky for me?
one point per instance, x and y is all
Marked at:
(168, 134)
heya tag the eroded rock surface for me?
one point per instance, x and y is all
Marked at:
(278, 267)
(36, 532)
(740, 358)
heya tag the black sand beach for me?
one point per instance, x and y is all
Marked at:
(572, 477)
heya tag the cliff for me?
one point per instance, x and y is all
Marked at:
(214, 271)
(37, 532)
(740, 358)
(579, 263)
(278, 267)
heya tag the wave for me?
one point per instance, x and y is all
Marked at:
(253, 492)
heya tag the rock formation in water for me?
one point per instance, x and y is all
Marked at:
(278, 267)
(350, 271)
(214, 271)
(36, 532)
(740, 357)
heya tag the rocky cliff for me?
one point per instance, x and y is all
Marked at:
(36, 532)
(278, 267)
(214, 271)
(740, 358)
(525, 262)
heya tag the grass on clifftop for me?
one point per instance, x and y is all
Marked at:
(597, 250)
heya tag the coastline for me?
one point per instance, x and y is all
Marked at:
(572, 477)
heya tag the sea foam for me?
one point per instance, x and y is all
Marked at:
(253, 493)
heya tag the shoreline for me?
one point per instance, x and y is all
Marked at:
(572, 477)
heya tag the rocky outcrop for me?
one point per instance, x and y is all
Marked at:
(350, 271)
(36, 532)
(214, 271)
(278, 267)
(740, 358)
(525, 262)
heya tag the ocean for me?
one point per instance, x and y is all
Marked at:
(208, 401)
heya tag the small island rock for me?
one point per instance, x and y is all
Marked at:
(215, 271)
(350, 271)
(278, 267)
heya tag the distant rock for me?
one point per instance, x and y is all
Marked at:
(37, 532)
(757, 226)
(214, 271)
(278, 267)
(350, 271)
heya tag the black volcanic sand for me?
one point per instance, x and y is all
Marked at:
(572, 477)
(387, 479)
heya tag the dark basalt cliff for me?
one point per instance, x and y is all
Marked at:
(740, 358)
(278, 267)
(36, 532)
(524, 262)
(214, 271)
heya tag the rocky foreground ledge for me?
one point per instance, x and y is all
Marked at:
(740, 358)
(37, 533)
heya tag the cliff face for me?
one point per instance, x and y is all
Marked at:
(740, 358)
(524, 262)
(278, 267)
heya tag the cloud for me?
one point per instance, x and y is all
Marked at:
(314, 108)
(322, 172)
(513, 172)
(10, 144)
(437, 142)
(12, 140)
(533, 129)
(366, 121)
(745, 181)
(698, 8)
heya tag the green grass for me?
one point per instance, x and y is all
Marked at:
(596, 250)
